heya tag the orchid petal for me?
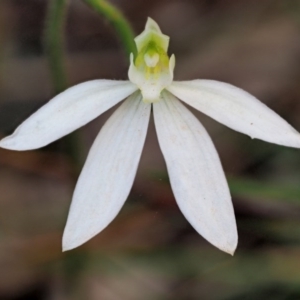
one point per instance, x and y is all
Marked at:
(66, 112)
(108, 173)
(236, 109)
(195, 172)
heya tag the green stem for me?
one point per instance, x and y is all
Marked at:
(54, 47)
(54, 43)
(118, 21)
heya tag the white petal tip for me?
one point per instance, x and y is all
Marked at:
(72, 239)
(19, 143)
(9, 143)
(290, 139)
(230, 251)
(229, 248)
(225, 241)
(293, 140)
(64, 248)
(69, 244)
(67, 248)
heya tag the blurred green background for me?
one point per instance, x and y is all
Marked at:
(150, 251)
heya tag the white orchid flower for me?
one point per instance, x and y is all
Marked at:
(194, 168)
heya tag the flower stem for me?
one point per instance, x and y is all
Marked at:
(54, 47)
(54, 42)
(118, 21)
